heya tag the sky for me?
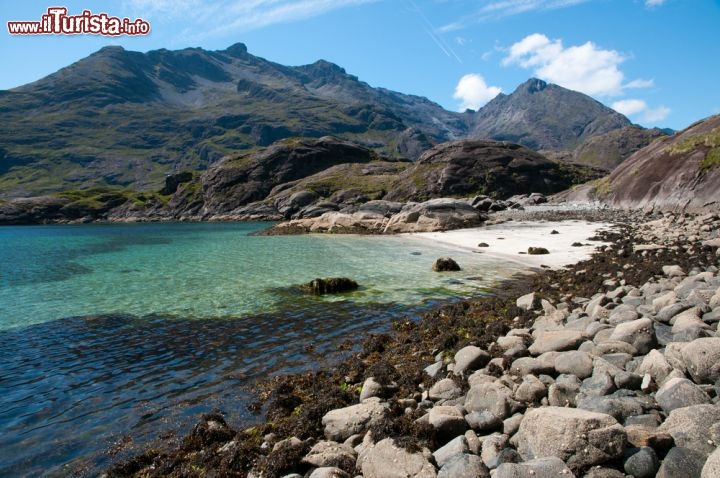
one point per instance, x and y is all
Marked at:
(656, 61)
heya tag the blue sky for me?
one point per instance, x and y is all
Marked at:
(654, 60)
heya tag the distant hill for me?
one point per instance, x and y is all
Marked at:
(679, 172)
(608, 150)
(126, 119)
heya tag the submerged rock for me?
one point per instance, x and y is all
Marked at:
(445, 264)
(331, 285)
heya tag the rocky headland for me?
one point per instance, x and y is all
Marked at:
(605, 368)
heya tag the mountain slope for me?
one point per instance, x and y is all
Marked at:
(126, 118)
(679, 172)
(543, 116)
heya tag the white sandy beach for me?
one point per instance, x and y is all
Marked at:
(509, 239)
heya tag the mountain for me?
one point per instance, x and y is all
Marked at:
(679, 172)
(608, 150)
(126, 119)
(543, 116)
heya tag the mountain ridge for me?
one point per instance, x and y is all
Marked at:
(127, 119)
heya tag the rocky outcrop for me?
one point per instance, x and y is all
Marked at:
(386, 217)
(496, 168)
(607, 151)
(677, 173)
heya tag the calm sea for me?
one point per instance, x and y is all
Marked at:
(111, 335)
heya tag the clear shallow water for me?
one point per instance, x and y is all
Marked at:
(115, 333)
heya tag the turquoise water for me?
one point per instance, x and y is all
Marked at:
(113, 335)
(208, 270)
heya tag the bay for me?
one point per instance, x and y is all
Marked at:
(113, 334)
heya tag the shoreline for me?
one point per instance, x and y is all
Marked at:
(510, 241)
(296, 406)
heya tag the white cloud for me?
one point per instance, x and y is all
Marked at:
(640, 83)
(640, 110)
(653, 3)
(473, 92)
(656, 114)
(629, 107)
(587, 68)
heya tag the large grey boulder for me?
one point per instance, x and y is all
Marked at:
(691, 426)
(332, 454)
(342, 423)
(445, 389)
(456, 446)
(678, 393)
(639, 333)
(464, 466)
(493, 397)
(387, 460)
(448, 422)
(556, 341)
(712, 466)
(434, 215)
(470, 358)
(548, 467)
(574, 362)
(681, 462)
(580, 438)
(702, 359)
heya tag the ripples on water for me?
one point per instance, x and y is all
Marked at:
(71, 388)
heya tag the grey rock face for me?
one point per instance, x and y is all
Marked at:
(681, 463)
(386, 460)
(690, 427)
(342, 423)
(678, 393)
(541, 467)
(580, 438)
(702, 359)
(464, 466)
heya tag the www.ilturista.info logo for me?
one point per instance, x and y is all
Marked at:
(58, 22)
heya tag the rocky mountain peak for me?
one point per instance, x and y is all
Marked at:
(237, 50)
(533, 85)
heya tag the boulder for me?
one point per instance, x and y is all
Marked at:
(332, 454)
(445, 264)
(342, 423)
(526, 301)
(470, 358)
(702, 359)
(445, 389)
(448, 422)
(483, 422)
(329, 472)
(456, 446)
(541, 468)
(556, 341)
(464, 466)
(712, 466)
(679, 393)
(434, 215)
(642, 463)
(691, 426)
(331, 285)
(387, 460)
(578, 437)
(537, 251)
(492, 397)
(681, 463)
(639, 333)
(575, 363)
